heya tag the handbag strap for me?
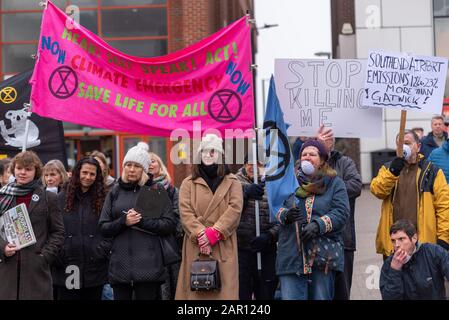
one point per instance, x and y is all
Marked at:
(307, 264)
(205, 255)
(309, 207)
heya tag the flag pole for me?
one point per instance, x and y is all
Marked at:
(256, 202)
(27, 126)
(252, 67)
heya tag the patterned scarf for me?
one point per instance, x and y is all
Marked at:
(11, 190)
(316, 184)
(162, 180)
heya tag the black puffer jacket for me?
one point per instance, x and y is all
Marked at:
(84, 246)
(246, 230)
(347, 171)
(135, 256)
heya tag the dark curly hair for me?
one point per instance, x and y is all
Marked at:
(97, 189)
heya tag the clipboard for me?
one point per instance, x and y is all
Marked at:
(151, 202)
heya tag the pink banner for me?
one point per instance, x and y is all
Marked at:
(79, 78)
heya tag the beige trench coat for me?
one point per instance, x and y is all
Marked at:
(200, 208)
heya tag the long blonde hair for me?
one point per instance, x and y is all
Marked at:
(162, 168)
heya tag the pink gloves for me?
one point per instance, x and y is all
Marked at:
(208, 238)
(213, 235)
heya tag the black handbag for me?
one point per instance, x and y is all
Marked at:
(151, 202)
(169, 247)
(324, 254)
(170, 250)
(204, 275)
(321, 252)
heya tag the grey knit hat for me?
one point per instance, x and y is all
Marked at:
(211, 141)
(139, 154)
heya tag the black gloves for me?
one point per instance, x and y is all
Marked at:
(293, 215)
(397, 165)
(310, 231)
(443, 244)
(262, 242)
(254, 191)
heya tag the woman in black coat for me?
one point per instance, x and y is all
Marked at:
(136, 266)
(25, 274)
(82, 266)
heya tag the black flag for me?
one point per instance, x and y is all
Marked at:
(45, 136)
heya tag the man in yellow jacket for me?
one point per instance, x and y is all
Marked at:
(412, 189)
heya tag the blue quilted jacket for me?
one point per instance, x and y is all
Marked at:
(440, 157)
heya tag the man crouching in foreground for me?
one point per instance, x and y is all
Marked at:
(415, 271)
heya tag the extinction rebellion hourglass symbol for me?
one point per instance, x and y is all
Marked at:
(63, 82)
(225, 106)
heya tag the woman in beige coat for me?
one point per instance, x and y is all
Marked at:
(210, 203)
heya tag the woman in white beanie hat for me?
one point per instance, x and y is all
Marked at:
(136, 163)
(210, 204)
(136, 265)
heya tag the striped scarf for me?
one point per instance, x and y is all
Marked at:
(162, 180)
(316, 184)
(11, 190)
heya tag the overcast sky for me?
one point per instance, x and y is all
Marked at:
(304, 28)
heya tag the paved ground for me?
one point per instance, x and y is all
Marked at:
(367, 264)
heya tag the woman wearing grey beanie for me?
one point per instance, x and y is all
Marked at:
(136, 266)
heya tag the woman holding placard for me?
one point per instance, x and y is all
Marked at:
(136, 267)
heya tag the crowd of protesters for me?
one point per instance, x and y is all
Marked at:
(306, 249)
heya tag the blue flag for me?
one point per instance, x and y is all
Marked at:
(280, 176)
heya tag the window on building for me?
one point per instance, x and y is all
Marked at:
(158, 146)
(89, 20)
(25, 26)
(135, 27)
(141, 49)
(17, 58)
(26, 4)
(134, 22)
(440, 8)
(110, 3)
(85, 3)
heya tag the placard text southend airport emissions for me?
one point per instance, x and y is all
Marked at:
(410, 64)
